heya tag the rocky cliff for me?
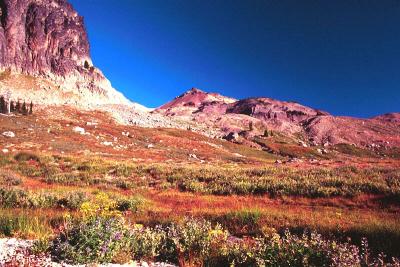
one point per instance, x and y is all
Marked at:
(44, 45)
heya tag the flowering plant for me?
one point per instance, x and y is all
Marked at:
(98, 238)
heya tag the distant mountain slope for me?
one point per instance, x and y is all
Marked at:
(362, 132)
(389, 117)
(253, 116)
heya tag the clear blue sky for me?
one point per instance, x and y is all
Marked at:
(342, 56)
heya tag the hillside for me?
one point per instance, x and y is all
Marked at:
(45, 58)
(253, 116)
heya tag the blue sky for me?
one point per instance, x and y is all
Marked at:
(339, 56)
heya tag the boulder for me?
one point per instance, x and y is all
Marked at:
(9, 134)
(232, 136)
(79, 130)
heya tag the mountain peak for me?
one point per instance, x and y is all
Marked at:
(195, 90)
(194, 98)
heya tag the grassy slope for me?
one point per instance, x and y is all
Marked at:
(341, 195)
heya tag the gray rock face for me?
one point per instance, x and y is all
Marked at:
(47, 38)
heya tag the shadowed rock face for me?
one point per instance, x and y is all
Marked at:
(47, 38)
(267, 109)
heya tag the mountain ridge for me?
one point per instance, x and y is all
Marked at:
(45, 58)
(261, 113)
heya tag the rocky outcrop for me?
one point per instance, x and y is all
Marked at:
(389, 117)
(47, 39)
(271, 109)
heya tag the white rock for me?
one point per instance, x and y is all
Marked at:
(193, 156)
(150, 146)
(9, 134)
(5, 150)
(106, 143)
(79, 130)
(303, 144)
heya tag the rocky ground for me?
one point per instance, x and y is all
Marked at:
(16, 252)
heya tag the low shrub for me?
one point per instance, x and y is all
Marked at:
(124, 184)
(132, 204)
(94, 240)
(26, 156)
(30, 170)
(18, 198)
(41, 246)
(147, 243)
(13, 198)
(5, 160)
(9, 178)
(307, 250)
(192, 240)
(98, 238)
(244, 222)
(72, 201)
(68, 178)
(242, 252)
(123, 170)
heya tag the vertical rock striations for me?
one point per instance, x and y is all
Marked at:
(47, 39)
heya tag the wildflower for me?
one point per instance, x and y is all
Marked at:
(215, 233)
(138, 226)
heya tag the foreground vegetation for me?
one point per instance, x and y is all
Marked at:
(235, 214)
(102, 236)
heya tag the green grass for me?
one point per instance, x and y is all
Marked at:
(5, 160)
(355, 151)
(14, 197)
(24, 225)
